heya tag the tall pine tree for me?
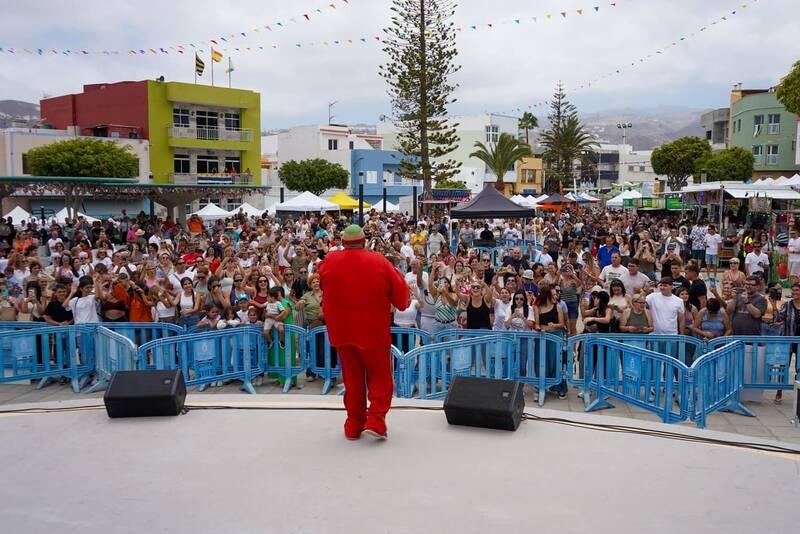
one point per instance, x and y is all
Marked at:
(421, 47)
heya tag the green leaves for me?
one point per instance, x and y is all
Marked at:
(678, 159)
(501, 157)
(788, 92)
(314, 175)
(730, 164)
(421, 53)
(83, 157)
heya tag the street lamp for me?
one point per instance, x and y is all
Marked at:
(624, 127)
(360, 191)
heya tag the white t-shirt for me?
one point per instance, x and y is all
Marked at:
(632, 283)
(794, 249)
(712, 244)
(84, 309)
(540, 257)
(51, 244)
(425, 301)
(282, 261)
(407, 251)
(407, 317)
(611, 273)
(665, 312)
(752, 260)
(502, 311)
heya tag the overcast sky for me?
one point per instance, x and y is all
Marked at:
(509, 66)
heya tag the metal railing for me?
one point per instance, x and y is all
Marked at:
(243, 135)
(210, 178)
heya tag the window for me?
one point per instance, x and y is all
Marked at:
(772, 154)
(180, 118)
(207, 124)
(492, 133)
(352, 144)
(232, 121)
(233, 163)
(182, 164)
(758, 154)
(758, 122)
(739, 125)
(25, 164)
(234, 203)
(773, 124)
(372, 177)
(631, 168)
(207, 164)
(333, 144)
(641, 168)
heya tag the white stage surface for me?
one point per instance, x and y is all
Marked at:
(238, 471)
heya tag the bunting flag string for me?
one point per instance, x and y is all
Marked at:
(196, 46)
(622, 69)
(224, 44)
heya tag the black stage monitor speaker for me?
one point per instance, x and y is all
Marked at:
(145, 393)
(485, 403)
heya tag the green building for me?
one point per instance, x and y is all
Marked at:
(758, 122)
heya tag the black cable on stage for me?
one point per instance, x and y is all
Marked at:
(602, 427)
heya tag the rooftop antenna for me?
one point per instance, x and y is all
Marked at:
(331, 116)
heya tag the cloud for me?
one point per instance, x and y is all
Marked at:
(510, 66)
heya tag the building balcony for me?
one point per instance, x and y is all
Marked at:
(223, 138)
(211, 179)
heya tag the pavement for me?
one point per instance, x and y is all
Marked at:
(771, 421)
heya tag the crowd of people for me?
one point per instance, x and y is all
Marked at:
(576, 271)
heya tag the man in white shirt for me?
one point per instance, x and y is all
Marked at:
(756, 261)
(53, 241)
(614, 271)
(794, 256)
(414, 278)
(435, 241)
(713, 241)
(633, 280)
(666, 309)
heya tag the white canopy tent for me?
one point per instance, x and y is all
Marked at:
(306, 201)
(619, 200)
(781, 191)
(793, 181)
(390, 208)
(212, 211)
(62, 216)
(18, 215)
(249, 210)
(587, 196)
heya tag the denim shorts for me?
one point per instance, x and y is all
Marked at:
(712, 259)
(572, 310)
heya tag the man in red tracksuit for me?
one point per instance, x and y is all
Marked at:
(359, 287)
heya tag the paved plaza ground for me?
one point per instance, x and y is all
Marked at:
(772, 421)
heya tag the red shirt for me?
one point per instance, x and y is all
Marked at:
(359, 287)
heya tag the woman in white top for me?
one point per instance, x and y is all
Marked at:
(84, 302)
(408, 317)
(189, 304)
(167, 298)
(31, 308)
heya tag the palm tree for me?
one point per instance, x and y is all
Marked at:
(528, 121)
(563, 144)
(501, 157)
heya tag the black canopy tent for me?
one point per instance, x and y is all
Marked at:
(490, 203)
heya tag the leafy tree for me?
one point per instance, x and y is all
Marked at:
(678, 159)
(502, 157)
(314, 175)
(421, 47)
(450, 184)
(730, 164)
(82, 157)
(788, 92)
(528, 122)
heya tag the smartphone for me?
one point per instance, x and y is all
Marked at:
(4, 292)
(31, 293)
(713, 283)
(739, 290)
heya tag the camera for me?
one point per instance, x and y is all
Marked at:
(774, 293)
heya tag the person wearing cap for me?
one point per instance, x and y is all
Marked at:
(666, 309)
(360, 286)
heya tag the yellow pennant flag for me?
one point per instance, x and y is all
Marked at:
(216, 55)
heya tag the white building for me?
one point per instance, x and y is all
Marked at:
(635, 167)
(485, 127)
(16, 142)
(332, 143)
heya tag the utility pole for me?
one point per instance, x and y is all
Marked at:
(331, 116)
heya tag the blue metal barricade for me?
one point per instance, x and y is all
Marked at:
(682, 348)
(648, 380)
(538, 360)
(141, 333)
(405, 340)
(487, 356)
(113, 352)
(287, 358)
(766, 359)
(717, 382)
(209, 357)
(323, 360)
(49, 352)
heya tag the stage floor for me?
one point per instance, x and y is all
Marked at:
(293, 472)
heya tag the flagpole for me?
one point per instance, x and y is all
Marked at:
(229, 72)
(212, 67)
(195, 68)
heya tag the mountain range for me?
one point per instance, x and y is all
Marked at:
(17, 112)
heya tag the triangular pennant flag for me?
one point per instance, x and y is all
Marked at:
(306, 16)
(564, 14)
(580, 11)
(597, 8)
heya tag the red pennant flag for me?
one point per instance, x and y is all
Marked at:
(306, 16)
(213, 41)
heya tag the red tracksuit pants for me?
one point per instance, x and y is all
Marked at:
(366, 374)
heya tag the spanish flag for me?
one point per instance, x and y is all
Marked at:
(198, 65)
(216, 55)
